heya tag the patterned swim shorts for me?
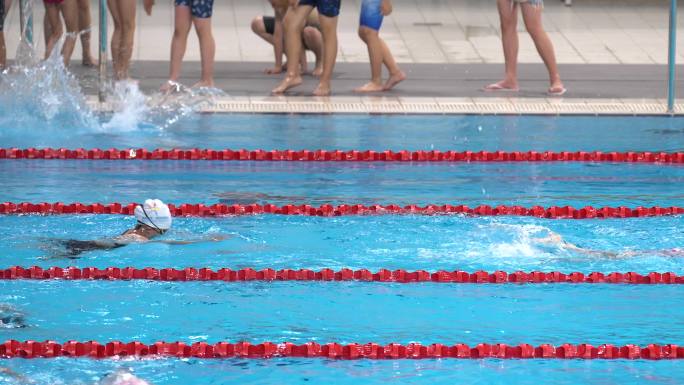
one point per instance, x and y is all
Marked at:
(200, 8)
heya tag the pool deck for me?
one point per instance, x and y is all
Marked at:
(612, 56)
(594, 89)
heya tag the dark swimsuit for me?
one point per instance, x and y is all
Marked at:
(75, 247)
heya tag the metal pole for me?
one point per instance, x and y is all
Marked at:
(672, 58)
(103, 51)
(26, 20)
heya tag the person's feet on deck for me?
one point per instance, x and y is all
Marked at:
(323, 89)
(370, 87)
(504, 85)
(394, 79)
(287, 83)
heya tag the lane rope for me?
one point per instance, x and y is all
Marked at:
(220, 209)
(342, 156)
(371, 351)
(383, 275)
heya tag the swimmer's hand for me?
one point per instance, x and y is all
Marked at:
(386, 7)
(148, 6)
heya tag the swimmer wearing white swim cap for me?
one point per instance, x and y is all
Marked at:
(153, 220)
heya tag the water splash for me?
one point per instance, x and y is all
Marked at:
(39, 98)
(42, 94)
(129, 107)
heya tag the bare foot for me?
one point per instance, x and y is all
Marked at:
(89, 61)
(394, 80)
(557, 89)
(323, 89)
(317, 72)
(204, 84)
(170, 86)
(370, 87)
(287, 83)
(504, 85)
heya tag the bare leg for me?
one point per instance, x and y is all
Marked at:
(396, 74)
(52, 14)
(84, 24)
(207, 50)
(70, 13)
(533, 22)
(259, 29)
(372, 40)
(127, 12)
(116, 37)
(47, 28)
(3, 51)
(329, 29)
(313, 41)
(179, 42)
(508, 14)
(293, 47)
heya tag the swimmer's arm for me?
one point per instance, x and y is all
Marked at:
(213, 238)
(556, 239)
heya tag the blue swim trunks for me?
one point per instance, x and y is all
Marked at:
(329, 8)
(201, 9)
(371, 16)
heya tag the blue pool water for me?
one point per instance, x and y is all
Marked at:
(577, 184)
(347, 312)
(391, 242)
(371, 132)
(352, 311)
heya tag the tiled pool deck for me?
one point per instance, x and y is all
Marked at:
(612, 55)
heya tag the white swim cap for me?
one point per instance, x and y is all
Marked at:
(154, 213)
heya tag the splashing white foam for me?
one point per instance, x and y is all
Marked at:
(129, 107)
(36, 96)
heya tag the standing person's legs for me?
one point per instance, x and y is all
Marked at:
(293, 45)
(328, 19)
(84, 26)
(127, 13)
(369, 27)
(372, 15)
(532, 15)
(182, 24)
(508, 15)
(202, 12)
(53, 19)
(69, 10)
(3, 49)
(116, 36)
(313, 41)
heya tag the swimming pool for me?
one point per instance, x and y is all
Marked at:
(353, 311)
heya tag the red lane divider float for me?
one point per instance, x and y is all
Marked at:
(201, 210)
(383, 275)
(372, 351)
(342, 156)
